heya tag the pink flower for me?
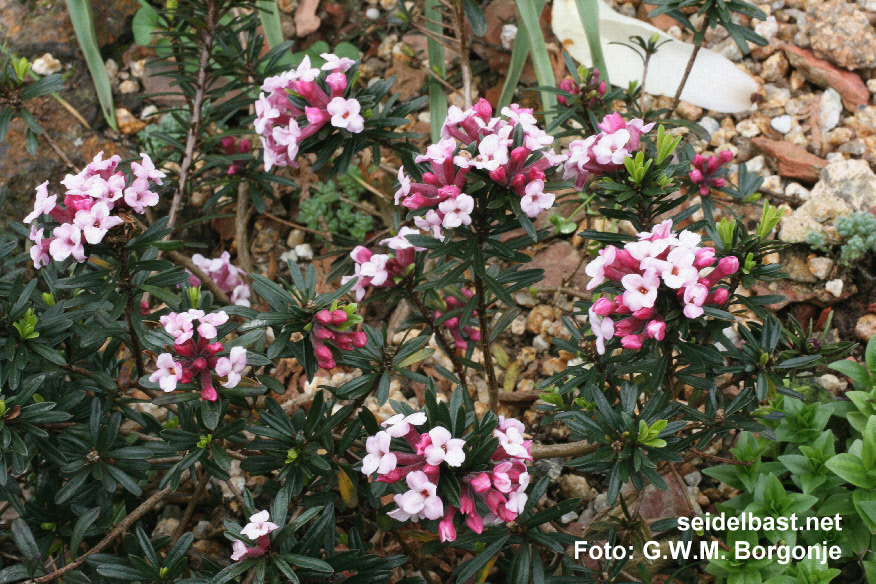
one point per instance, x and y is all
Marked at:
(96, 222)
(231, 366)
(209, 322)
(138, 196)
(146, 170)
(641, 290)
(400, 424)
(421, 501)
(258, 526)
(168, 372)
(379, 457)
(536, 200)
(239, 550)
(446, 530)
(179, 325)
(345, 114)
(603, 328)
(334, 63)
(43, 204)
(439, 446)
(694, 297)
(68, 243)
(456, 211)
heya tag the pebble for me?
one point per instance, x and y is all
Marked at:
(509, 34)
(689, 111)
(129, 86)
(756, 164)
(871, 85)
(372, 13)
(576, 487)
(165, 527)
(835, 287)
(775, 67)
(866, 327)
(296, 237)
(795, 189)
(112, 70)
(304, 251)
(539, 343)
(829, 110)
(781, 124)
(46, 65)
(128, 124)
(569, 517)
(820, 267)
(832, 384)
(709, 124)
(148, 112)
(518, 325)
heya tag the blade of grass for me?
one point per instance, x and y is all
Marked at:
(519, 54)
(541, 61)
(437, 98)
(588, 10)
(83, 26)
(269, 14)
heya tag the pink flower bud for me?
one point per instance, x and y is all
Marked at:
(695, 176)
(360, 339)
(483, 109)
(632, 342)
(719, 296)
(360, 255)
(604, 307)
(199, 364)
(644, 313)
(339, 317)
(244, 146)
(323, 317)
(656, 329)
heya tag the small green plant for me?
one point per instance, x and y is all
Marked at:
(332, 207)
(858, 231)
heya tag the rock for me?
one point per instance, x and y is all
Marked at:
(829, 109)
(793, 161)
(799, 292)
(576, 487)
(548, 467)
(781, 124)
(866, 327)
(558, 260)
(689, 111)
(303, 251)
(28, 27)
(372, 13)
(709, 124)
(850, 180)
(296, 237)
(835, 287)
(795, 264)
(128, 123)
(842, 34)
(693, 479)
(539, 343)
(306, 20)
(816, 215)
(833, 384)
(129, 86)
(820, 266)
(568, 517)
(849, 85)
(797, 190)
(165, 527)
(149, 113)
(748, 128)
(46, 65)
(774, 68)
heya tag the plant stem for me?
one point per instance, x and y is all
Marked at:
(570, 449)
(687, 70)
(464, 47)
(186, 262)
(493, 384)
(458, 369)
(128, 289)
(123, 526)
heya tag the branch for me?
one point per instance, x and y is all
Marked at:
(186, 262)
(123, 526)
(570, 449)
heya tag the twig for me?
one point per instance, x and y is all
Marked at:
(190, 508)
(564, 290)
(195, 124)
(721, 458)
(54, 146)
(570, 449)
(240, 223)
(122, 527)
(273, 217)
(687, 70)
(493, 384)
(464, 47)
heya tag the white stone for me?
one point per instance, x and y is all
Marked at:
(148, 111)
(129, 86)
(768, 29)
(304, 251)
(509, 34)
(46, 65)
(820, 267)
(138, 68)
(835, 287)
(829, 110)
(373, 13)
(112, 69)
(871, 85)
(710, 125)
(748, 128)
(539, 343)
(795, 189)
(756, 164)
(834, 157)
(781, 124)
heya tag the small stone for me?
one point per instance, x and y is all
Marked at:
(549, 467)
(832, 384)
(756, 164)
(871, 85)
(775, 67)
(46, 65)
(165, 527)
(693, 479)
(866, 327)
(539, 343)
(829, 110)
(575, 486)
(856, 147)
(112, 70)
(201, 530)
(372, 13)
(304, 251)
(129, 86)
(568, 517)
(797, 190)
(518, 325)
(509, 34)
(772, 183)
(729, 49)
(148, 113)
(296, 237)
(781, 124)
(128, 123)
(835, 287)
(539, 319)
(768, 28)
(138, 67)
(689, 111)
(820, 267)
(842, 34)
(709, 124)
(834, 157)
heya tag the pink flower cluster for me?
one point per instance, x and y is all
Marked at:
(195, 356)
(604, 152)
(452, 324)
(91, 208)
(331, 327)
(232, 146)
(502, 489)
(277, 118)
(443, 188)
(383, 270)
(257, 530)
(227, 276)
(660, 260)
(705, 168)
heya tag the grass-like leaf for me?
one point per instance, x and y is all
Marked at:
(541, 61)
(437, 97)
(83, 25)
(589, 12)
(269, 14)
(519, 54)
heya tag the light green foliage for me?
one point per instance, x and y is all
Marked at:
(340, 217)
(858, 231)
(155, 137)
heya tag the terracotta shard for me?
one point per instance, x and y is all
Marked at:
(849, 85)
(794, 161)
